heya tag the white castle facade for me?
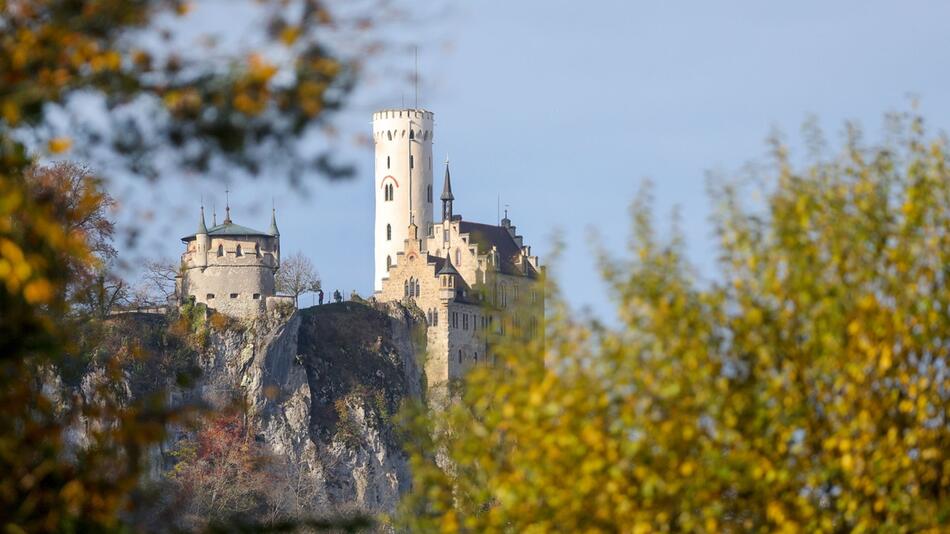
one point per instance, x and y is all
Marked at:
(473, 281)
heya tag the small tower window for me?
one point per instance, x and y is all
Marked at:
(389, 262)
(257, 296)
(412, 134)
(234, 295)
(429, 193)
(389, 232)
(257, 249)
(209, 296)
(239, 253)
(220, 250)
(412, 163)
(387, 162)
(390, 135)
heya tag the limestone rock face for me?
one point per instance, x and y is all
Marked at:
(321, 388)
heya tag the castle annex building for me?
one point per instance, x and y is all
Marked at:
(230, 267)
(474, 281)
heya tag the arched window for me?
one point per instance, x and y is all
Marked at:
(405, 288)
(390, 135)
(503, 296)
(389, 232)
(417, 288)
(239, 251)
(412, 134)
(220, 250)
(389, 262)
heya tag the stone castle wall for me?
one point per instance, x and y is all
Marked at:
(233, 284)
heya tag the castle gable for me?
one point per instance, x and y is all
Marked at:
(486, 236)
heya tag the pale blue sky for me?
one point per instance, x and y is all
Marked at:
(568, 106)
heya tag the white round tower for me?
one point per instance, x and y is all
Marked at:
(403, 181)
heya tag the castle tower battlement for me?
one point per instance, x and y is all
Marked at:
(402, 181)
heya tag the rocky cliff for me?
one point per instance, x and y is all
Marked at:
(320, 386)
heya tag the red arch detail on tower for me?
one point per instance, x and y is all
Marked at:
(388, 177)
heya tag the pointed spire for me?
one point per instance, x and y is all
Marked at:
(202, 229)
(447, 185)
(227, 207)
(447, 267)
(273, 223)
(447, 196)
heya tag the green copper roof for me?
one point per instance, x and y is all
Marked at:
(230, 229)
(202, 229)
(273, 224)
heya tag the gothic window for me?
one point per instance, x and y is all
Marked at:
(239, 253)
(405, 289)
(435, 316)
(503, 296)
(389, 232)
(417, 288)
(464, 321)
(220, 250)
(389, 262)
(390, 135)
(412, 134)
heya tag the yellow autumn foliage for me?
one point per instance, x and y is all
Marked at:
(805, 388)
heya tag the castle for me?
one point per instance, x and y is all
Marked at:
(473, 281)
(230, 267)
